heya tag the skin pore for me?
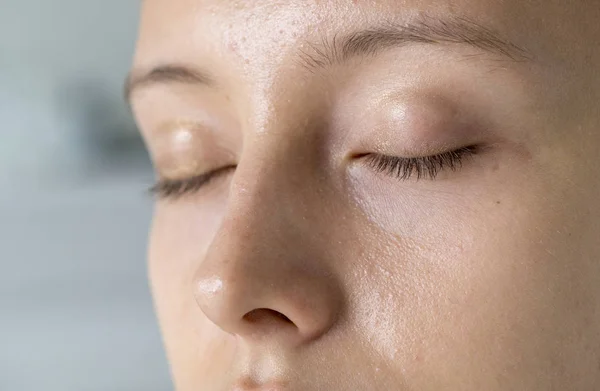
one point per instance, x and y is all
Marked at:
(374, 195)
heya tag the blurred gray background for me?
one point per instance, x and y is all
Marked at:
(75, 310)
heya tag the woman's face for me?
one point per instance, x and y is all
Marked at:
(374, 195)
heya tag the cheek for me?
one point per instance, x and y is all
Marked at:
(196, 348)
(465, 274)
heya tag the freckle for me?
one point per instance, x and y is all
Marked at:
(498, 202)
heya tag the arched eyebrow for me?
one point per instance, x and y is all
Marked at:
(339, 49)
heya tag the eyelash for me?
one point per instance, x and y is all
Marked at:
(427, 167)
(176, 188)
(400, 167)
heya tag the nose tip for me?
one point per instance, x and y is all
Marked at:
(253, 306)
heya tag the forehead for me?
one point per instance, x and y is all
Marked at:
(184, 29)
(258, 40)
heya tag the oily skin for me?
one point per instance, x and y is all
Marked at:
(306, 269)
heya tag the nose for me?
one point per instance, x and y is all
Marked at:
(265, 274)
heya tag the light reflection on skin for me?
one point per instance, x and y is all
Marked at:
(210, 287)
(185, 148)
(307, 269)
(183, 136)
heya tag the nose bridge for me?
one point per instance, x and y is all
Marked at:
(276, 170)
(265, 199)
(260, 219)
(265, 180)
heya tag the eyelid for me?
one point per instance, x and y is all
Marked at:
(176, 188)
(182, 148)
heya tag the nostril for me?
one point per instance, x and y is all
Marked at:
(265, 314)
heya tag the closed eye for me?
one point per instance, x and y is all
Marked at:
(425, 167)
(176, 188)
(403, 168)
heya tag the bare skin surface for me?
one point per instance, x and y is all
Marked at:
(374, 195)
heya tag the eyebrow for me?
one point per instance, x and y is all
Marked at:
(425, 30)
(165, 74)
(337, 50)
